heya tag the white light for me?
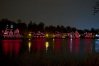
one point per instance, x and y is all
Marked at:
(53, 39)
(29, 39)
(11, 26)
(97, 35)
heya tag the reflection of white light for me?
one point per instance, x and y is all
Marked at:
(46, 45)
(29, 39)
(71, 36)
(53, 39)
(97, 39)
(29, 46)
(71, 45)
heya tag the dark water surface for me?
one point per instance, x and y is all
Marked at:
(49, 52)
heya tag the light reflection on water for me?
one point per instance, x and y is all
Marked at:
(49, 52)
(11, 46)
(97, 45)
(88, 45)
(57, 46)
(29, 46)
(46, 45)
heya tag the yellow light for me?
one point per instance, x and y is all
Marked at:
(47, 35)
(29, 45)
(46, 44)
(29, 34)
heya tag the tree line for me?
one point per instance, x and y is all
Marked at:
(34, 27)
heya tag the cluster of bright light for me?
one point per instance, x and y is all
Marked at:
(77, 35)
(39, 34)
(10, 33)
(73, 35)
(88, 35)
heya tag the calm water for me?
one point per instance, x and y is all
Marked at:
(49, 52)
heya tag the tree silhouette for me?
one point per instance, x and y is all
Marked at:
(30, 27)
(5, 22)
(34, 27)
(19, 21)
(73, 29)
(68, 29)
(21, 26)
(41, 27)
(62, 28)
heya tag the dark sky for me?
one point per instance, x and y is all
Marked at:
(75, 13)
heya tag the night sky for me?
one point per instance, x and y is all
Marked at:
(74, 13)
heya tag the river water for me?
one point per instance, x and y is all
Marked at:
(49, 52)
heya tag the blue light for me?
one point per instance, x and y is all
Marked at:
(97, 45)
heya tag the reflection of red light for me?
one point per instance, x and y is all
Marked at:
(57, 45)
(39, 44)
(11, 45)
(76, 45)
(16, 46)
(87, 45)
(5, 46)
(73, 45)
